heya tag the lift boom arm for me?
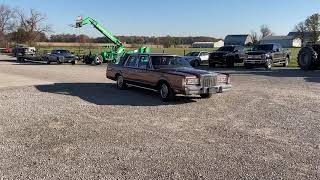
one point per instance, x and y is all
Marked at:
(81, 22)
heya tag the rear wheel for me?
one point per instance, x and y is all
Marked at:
(247, 66)
(98, 60)
(166, 93)
(121, 84)
(206, 96)
(47, 61)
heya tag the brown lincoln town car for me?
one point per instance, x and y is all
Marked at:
(167, 74)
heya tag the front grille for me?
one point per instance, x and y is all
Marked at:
(208, 81)
(254, 56)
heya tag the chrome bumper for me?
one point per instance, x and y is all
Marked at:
(197, 90)
(255, 61)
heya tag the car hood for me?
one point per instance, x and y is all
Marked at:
(68, 55)
(187, 72)
(220, 53)
(189, 58)
(257, 52)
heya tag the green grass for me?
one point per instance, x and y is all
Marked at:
(177, 51)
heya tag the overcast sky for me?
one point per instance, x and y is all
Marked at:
(215, 18)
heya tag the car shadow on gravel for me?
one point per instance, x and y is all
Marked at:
(108, 94)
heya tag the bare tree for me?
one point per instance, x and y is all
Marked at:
(255, 37)
(265, 31)
(301, 30)
(32, 25)
(313, 27)
(6, 18)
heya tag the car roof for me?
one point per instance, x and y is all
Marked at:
(232, 46)
(60, 50)
(269, 44)
(197, 51)
(156, 54)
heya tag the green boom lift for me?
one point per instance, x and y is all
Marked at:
(114, 55)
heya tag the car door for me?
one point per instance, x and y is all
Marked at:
(276, 53)
(241, 53)
(130, 69)
(144, 76)
(52, 56)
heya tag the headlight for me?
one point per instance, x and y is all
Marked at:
(192, 81)
(265, 56)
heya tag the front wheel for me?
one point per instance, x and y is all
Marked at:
(206, 96)
(59, 61)
(268, 64)
(230, 63)
(196, 63)
(286, 63)
(212, 65)
(166, 93)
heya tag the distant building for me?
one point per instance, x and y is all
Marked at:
(217, 44)
(241, 40)
(284, 41)
(307, 37)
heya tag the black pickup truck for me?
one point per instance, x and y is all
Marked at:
(267, 55)
(227, 55)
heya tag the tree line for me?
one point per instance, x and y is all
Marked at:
(165, 41)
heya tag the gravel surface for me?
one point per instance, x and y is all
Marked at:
(68, 121)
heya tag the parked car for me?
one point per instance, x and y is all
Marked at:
(60, 56)
(7, 50)
(25, 53)
(167, 74)
(267, 55)
(197, 58)
(227, 55)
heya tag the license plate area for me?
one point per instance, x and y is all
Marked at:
(222, 79)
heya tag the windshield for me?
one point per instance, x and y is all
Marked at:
(264, 47)
(193, 54)
(62, 51)
(159, 62)
(226, 48)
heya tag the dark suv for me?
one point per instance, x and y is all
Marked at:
(266, 55)
(227, 55)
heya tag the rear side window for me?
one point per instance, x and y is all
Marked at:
(143, 62)
(132, 61)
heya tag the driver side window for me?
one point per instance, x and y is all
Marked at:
(132, 61)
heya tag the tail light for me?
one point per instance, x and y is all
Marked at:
(228, 79)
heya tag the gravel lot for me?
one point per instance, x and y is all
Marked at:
(64, 121)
